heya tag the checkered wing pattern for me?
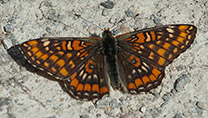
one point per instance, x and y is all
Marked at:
(144, 54)
(74, 60)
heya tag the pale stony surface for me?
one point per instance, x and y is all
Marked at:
(183, 92)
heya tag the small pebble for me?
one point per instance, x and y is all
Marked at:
(138, 24)
(105, 12)
(124, 109)
(143, 109)
(181, 82)
(107, 4)
(133, 107)
(129, 13)
(4, 101)
(113, 103)
(157, 20)
(8, 28)
(166, 97)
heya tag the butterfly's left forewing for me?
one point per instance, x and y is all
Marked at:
(149, 51)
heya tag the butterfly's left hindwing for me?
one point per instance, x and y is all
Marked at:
(150, 51)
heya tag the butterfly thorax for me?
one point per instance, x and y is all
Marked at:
(109, 51)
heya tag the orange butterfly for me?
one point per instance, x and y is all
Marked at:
(133, 62)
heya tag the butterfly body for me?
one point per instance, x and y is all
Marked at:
(135, 61)
(110, 51)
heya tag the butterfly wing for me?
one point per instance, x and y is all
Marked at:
(77, 61)
(149, 51)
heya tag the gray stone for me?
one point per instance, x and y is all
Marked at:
(143, 109)
(181, 82)
(113, 103)
(105, 12)
(107, 4)
(129, 13)
(166, 97)
(157, 20)
(8, 28)
(124, 109)
(4, 101)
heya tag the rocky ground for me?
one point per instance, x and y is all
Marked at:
(23, 94)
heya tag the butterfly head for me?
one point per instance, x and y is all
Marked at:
(107, 33)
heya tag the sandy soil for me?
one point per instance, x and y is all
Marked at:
(23, 94)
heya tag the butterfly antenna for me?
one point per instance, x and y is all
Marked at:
(79, 16)
(116, 26)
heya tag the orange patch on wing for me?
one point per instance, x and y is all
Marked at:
(141, 38)
(180, 39)
(53, 69)
(152, 78)
(87, 69)
(53, 58)
(72, 64)
(138, 82)
(103, 90)
(46, 64)
(176, 43)
(145, 79)
(153, 35)
(69, 55)
(138, 63)
(60, 53)
(156, 72)
(74, 82)
(161, 61)
(32, 43)
(89, 43)
(161, 52)
(83, 54)
(44, 57)
(166, 45)
(63, 45)
(60, 62)
(79, 87)
(95, 87)
(183, 27)
(64, 72)
(35, 49)
(87, 87)
(73, 76)
(131, 86)
(38, 54)
(183, 34)
(129, 39)
(76, 46)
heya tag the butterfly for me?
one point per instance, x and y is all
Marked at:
(133, 62)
